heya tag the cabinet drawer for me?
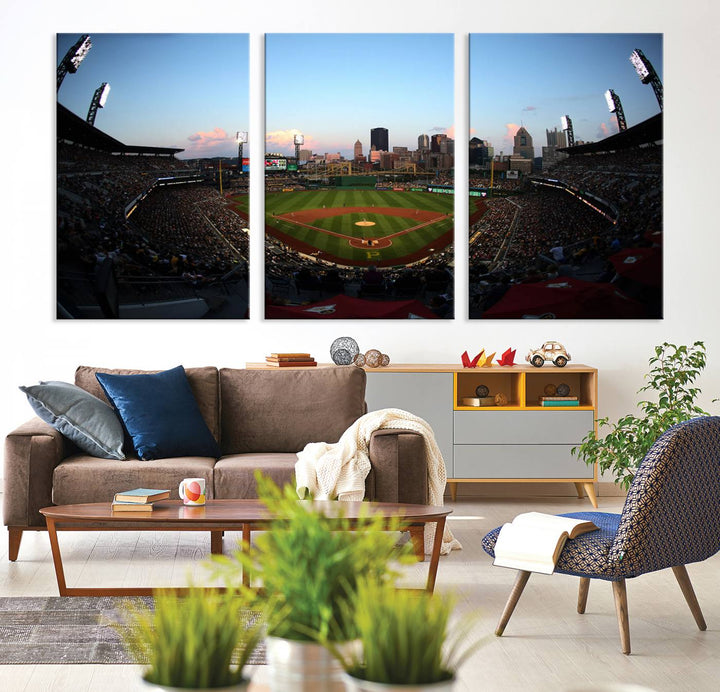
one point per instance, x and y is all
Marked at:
(519, 461)
(522, 427)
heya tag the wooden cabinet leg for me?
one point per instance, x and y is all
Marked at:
(453, 491)
(583, 594)
(621, 608)
(216, 542)
(580, 490)
(684, 580)
(590, 490)
(520, 581)
(14, 538)
(417, 536)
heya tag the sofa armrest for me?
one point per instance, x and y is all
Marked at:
(399, 472)
(32, 452)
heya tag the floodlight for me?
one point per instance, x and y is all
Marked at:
(564, 122)
(98, 101)
(299, 139)
(79, 52)
(610, 100)
(642, 66)
(615, 106)
(241, 137)
(567, 126)
(104, 95)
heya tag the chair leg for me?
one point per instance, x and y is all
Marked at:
(620, 594)
(684, 580)
(14, 538)
(583, 594)
(515, 594)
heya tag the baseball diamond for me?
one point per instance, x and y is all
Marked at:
(361, 227)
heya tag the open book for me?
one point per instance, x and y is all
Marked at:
(533, 541)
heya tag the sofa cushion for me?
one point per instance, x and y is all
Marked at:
(83, 418)
(235, 475)
(160, 413)
(203, 382)
(281, 411)
(81, 478)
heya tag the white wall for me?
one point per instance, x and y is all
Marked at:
(36, 346)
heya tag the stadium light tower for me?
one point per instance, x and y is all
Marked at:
(567, 126)
(613, 102)
(298, 140)
(75, 55)
(241, 138)
(647, 74)
(98, 101)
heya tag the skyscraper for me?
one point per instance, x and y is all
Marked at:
(523, 144)
(357, 150)
(423, 142)
(555, 138)
(379, 138)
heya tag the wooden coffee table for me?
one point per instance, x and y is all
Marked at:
(218, 516)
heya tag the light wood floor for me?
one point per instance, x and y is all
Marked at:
(547, 646)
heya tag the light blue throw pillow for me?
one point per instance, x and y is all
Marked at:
(83, 418)
(160, 413)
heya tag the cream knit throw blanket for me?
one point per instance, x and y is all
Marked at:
(339, 470)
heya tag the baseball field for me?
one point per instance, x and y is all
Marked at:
(361, 227)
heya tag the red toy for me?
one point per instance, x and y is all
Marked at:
(507, 358)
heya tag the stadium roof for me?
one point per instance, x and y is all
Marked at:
(75, 129)
(646, 132)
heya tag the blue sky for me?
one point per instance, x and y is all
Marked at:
(534, 79)
(177, 90)
(334, 88)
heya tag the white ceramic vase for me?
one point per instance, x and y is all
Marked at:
(357, 685)
(295, 666)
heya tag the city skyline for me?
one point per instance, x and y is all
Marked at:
(186, 91)
(541, 77)
(335, 88)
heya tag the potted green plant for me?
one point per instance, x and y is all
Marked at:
(673, 372)
(405, 641)
(310, 565)
(196, 641)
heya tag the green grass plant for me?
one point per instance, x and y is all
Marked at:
(198, 640)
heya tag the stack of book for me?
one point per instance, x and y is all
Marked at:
(138, 500)
(290, 360)
(559, 401)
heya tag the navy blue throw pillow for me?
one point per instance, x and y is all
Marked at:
(160, 413)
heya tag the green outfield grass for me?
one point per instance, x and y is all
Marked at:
(402, 246)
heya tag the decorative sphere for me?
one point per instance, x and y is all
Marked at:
(563, 389)
(482, 391)
(550, 390)
(385, 360)
(348, 346)
(500, 399)
(373, 358)
(359, 360)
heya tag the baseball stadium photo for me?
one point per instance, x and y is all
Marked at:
(365, 231)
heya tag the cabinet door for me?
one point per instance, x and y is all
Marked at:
(426, 394)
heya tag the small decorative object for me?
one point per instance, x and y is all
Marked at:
(500, 399)
(550, 390)
(470, 401)
(359, 360)
(487, 361)
(482, 390)
(343, 350)
(373, 358)
(192, 491)
(385, 360)
(487, 401)
(471, 363)
(562, 390)
(551, 350)
(508, 357)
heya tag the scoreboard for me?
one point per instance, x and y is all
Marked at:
(275, 163)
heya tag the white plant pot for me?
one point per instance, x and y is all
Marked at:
(295, 666)
(357, 685)
(239, 687)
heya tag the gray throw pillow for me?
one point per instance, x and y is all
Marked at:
(83, 418)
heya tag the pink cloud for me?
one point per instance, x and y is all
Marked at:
(209, 143)
(511, 130)
(281, 141)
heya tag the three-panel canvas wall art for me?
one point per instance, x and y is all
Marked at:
(564, 174)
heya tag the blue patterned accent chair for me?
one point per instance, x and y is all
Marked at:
(671, 518)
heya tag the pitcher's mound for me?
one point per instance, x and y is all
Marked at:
(364, 223)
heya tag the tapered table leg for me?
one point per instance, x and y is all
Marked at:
(435, 556)
(520, 581)
(57, 558)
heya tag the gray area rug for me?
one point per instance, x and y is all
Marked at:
(69, 630)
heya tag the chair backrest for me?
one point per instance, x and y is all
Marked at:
(672, 511)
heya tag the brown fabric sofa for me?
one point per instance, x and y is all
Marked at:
(260, 418)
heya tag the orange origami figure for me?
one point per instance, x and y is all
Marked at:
(507, 358)
(488, 360)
